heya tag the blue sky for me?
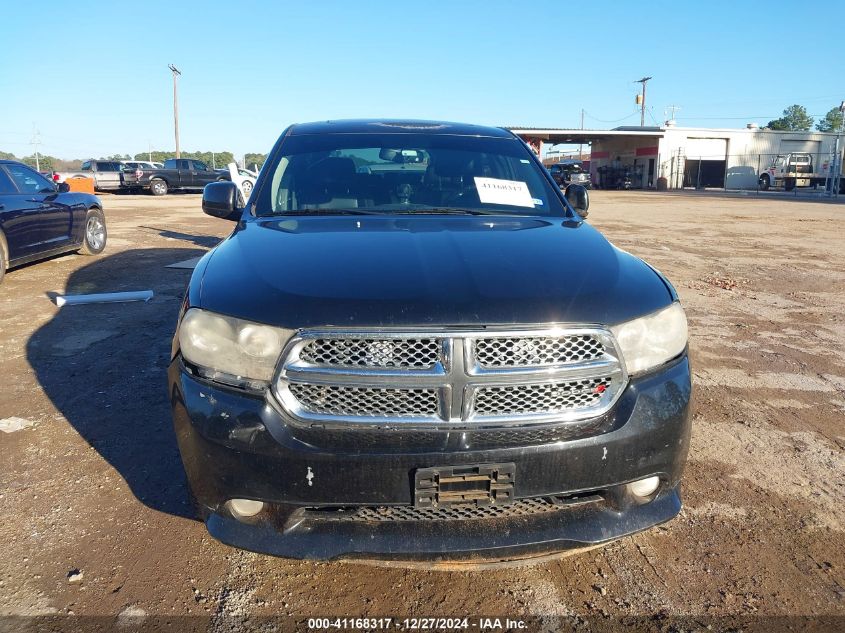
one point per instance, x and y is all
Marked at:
(93, 78)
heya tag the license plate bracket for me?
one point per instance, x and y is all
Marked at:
(474, 485)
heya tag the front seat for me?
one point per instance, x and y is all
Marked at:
(330, 184)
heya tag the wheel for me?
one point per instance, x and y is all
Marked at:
(765, 182)
(789, 184)
(3, 256)
(158, 187)
(246, 187)
(95, 233)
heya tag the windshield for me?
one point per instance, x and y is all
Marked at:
(405, 173)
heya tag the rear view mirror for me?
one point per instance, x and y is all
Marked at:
(222, 200)
(577, 196)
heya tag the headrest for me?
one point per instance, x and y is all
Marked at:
(334, 168)
(449, 164)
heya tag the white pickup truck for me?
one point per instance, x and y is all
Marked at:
(108, 175)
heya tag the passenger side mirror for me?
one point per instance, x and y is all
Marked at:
(63, 187)
(577, 196)
(222, 200)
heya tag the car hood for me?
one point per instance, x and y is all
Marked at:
(367, 271)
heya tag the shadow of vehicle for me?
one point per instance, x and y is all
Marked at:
(104, 366)
(206, 241)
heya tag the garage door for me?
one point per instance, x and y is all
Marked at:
(809, 147)
(706, 148)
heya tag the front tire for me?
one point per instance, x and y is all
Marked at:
(158, 187)
(765, 182)
(96, 234)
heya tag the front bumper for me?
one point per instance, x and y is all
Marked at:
(239, 446)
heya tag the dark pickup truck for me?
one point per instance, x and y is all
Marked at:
(413, 346)
(178, 173)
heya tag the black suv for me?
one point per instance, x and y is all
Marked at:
(570, 172)
(413, 347)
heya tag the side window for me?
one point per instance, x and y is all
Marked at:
(86, 166)
(200, 166)
(28, 180)
(6, 184)
(104, 167)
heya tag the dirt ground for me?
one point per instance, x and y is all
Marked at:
(94, 483)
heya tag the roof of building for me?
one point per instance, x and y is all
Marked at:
(573, 136)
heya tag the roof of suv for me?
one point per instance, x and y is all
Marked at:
(395, 126)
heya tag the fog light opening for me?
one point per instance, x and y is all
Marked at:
(644, 487)
(245, 507)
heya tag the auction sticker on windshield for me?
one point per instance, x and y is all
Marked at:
(511, 192)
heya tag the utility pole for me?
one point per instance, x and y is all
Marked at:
(582, 127)
(35, 142)
(150, 150)
(673, 108)
(176, 74)
(642, 81)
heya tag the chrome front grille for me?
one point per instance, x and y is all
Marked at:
(366, 401)
(546, 398)
(416, 353)
(454, 379)
(537, 351)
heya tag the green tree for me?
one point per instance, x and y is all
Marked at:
(45, 163)
(156, 156)
(7, 156)
(220, 159)
(832, 122)
(795, 119)
(254, 159)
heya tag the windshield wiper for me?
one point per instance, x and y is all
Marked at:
(444, 211)
(329, 212)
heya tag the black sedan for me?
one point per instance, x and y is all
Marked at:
(39, 219)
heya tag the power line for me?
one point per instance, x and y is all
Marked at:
(610, 121)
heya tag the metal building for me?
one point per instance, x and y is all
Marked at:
(687, 157)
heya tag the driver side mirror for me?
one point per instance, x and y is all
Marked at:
(577, 196)
(62, 187)
(222, 200)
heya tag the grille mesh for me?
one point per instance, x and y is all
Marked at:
(548, 398)
(537, 351)
(404, 353)
(520, 507)
(366, 401)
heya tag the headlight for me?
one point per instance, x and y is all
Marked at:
(231, 350)
(653, 339)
